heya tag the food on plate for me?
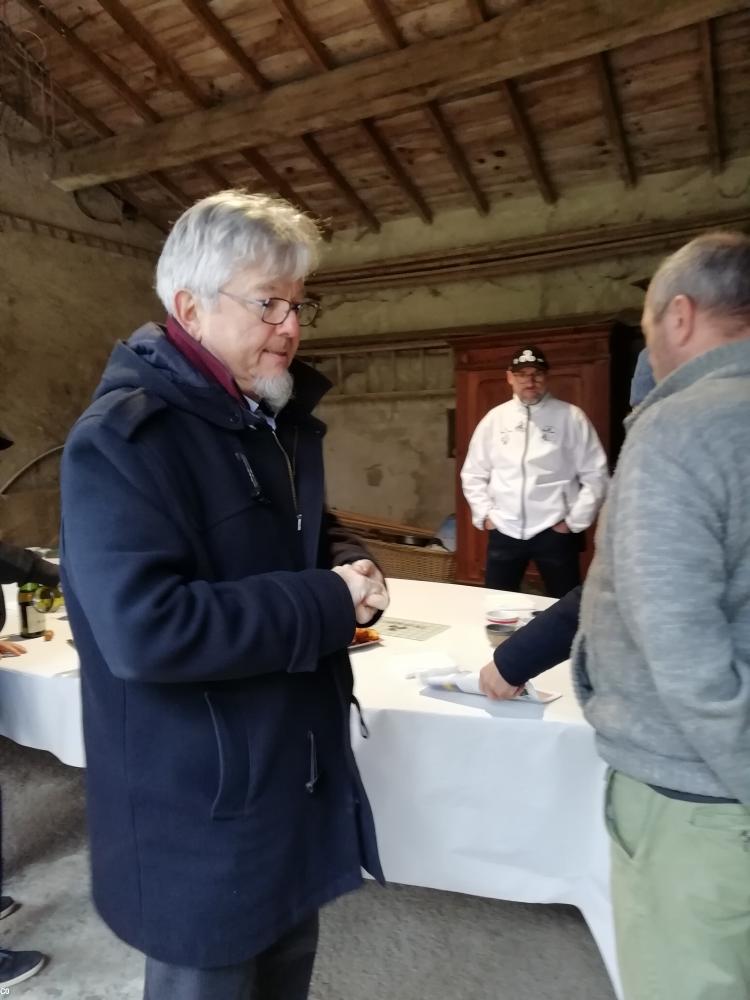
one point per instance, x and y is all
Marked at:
(362, 635)
(48, 633)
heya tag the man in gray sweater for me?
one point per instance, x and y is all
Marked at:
(662, 657)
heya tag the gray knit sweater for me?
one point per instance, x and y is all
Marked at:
(662, 657)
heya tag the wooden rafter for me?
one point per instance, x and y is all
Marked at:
(528, 141)
(326, 164)
(614, 118)
(135, 31)
(92, 60)
(462, 63)
(521, 124)
(321, 59)
(203, 13)
(224, 39)
(386, 22)
(88, 118)
(710, 102)
(456, 156)
(317, 53)
(396, 171)
(477, 10)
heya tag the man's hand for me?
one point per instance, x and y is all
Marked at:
(493, 684)
(368, 592)
(488, 525)
(11, 648)
(561, 527)
(368, 568)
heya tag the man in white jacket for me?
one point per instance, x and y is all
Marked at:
(535, 477)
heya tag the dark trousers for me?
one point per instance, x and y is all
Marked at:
(281, 972)
(556, 555)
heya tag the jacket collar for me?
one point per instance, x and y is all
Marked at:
(722, 362)
(534, 407)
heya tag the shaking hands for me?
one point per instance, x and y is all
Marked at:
(366, 586)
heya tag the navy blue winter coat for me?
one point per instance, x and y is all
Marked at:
(224, 802)
(543, 643)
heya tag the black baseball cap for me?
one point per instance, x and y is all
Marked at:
(528, 357)
(5, 441)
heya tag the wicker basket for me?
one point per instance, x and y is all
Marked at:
(413, 562)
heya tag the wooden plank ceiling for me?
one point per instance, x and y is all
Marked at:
(131, 80)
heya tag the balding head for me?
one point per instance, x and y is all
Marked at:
(697, 300)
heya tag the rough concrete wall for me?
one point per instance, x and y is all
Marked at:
(62, 307)
(390, 457)
(604, 286)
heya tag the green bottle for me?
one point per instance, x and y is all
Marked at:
(31, 618)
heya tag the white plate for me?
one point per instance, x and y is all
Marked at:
(361, 645)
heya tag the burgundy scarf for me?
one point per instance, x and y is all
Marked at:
(201, 359)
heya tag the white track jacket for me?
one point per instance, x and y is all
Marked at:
(529, 467)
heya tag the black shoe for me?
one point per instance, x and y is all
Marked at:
(15, 966)
(7, 906)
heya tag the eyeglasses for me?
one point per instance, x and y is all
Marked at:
(275, 310)
(530, 376)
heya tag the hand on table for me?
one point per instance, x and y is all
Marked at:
(561, 528)
(493, 684)
(8, 648)
(366, 587)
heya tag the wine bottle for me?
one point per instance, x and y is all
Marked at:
(32, 620)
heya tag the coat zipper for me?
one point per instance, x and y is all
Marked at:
(523, 473)
(290, 469)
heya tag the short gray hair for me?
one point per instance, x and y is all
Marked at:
(712, 270)
(228, 232)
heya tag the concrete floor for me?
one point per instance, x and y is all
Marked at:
(398, 943)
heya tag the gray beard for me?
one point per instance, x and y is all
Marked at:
(277, 390)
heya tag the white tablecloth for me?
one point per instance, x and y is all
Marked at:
(491, 799)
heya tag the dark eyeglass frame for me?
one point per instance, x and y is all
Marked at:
(291, 306)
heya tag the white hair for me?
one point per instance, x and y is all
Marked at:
(712, 270)
(228, 232)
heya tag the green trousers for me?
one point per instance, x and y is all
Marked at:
(681, 894)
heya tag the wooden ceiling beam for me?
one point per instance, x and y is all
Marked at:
(202, 12)
(389, 28)
(396, 171)
(528, 140)
(88, 118)
(710, 97)
(317, 53)
(477, 10)
(45, 16)
(613, 115)
(456, 156)
(465, 62)
(326, 164)
(386, 22)
(161, 59)
(321, 59)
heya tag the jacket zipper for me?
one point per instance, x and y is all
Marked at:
(290, 469)
(523, 474)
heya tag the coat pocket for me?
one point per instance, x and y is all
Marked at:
(234, 786)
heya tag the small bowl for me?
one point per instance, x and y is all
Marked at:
(498, 632)
(503, 616)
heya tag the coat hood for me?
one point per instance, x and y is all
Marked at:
(147, 360)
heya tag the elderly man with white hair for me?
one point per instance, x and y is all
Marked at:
(662, 657)
(212, 598)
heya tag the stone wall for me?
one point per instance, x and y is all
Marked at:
(62, 306)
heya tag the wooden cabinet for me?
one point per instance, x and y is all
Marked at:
(579, 373)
